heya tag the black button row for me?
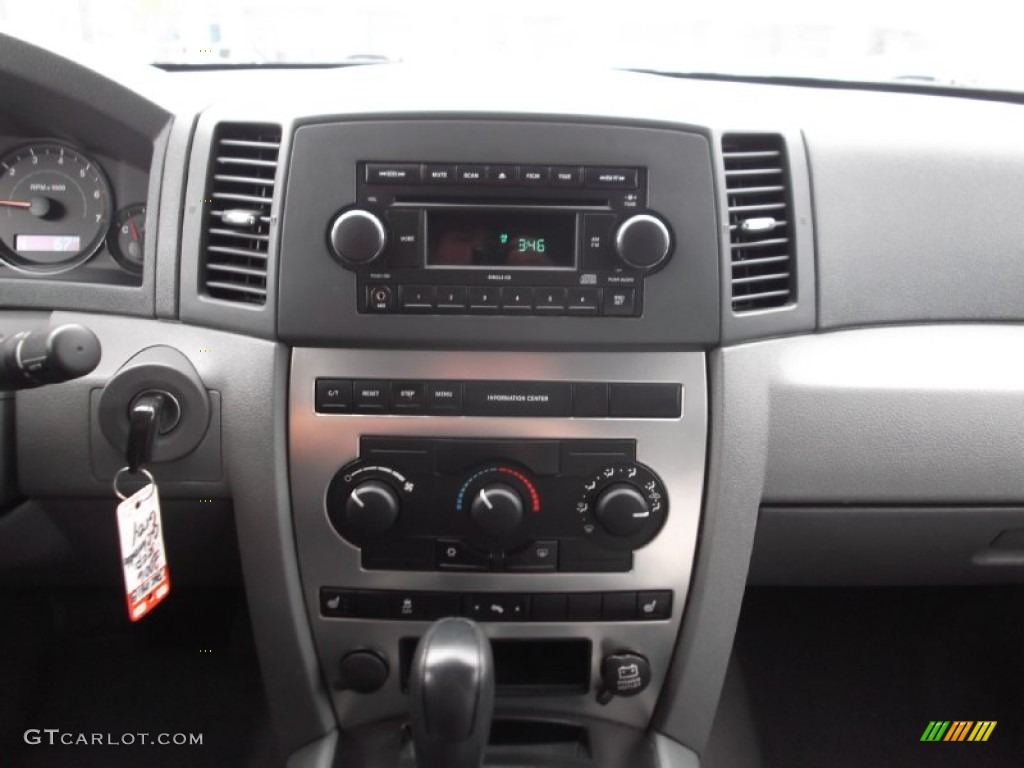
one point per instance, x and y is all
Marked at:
(552, 399)
(503, 175)
(511, 300)
(655, 605)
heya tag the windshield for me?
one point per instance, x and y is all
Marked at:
(877, 40)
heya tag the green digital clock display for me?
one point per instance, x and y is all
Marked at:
(501, 240)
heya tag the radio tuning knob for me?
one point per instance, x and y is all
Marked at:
(357, 237)
(497, 509)
(643, 241)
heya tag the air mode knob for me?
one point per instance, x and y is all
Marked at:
(643, 241)
(621, 509)
(370, 510)
(497, 509)
(357, 237)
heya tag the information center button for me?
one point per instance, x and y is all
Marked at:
(518, 398)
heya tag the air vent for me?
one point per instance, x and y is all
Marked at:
(757, 190)
(240, 191)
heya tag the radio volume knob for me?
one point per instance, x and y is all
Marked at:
(357, 237)
(643, 241)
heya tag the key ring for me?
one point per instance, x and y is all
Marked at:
(146, 472)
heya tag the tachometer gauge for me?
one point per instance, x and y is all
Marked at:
(55, 208)
(128, 237)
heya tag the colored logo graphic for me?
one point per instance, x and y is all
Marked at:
(958, 730)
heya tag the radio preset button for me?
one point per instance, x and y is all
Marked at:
(584, 301)
(416, 298)
(516, 299)
(451, 298)
(392, 173)
(612, 178)
(534, 174)
(439, 174)
(566, 176)
(471, 174)
(483, 298)
(380, 298)
(549, 301)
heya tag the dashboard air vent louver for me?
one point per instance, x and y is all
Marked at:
(240, 192)
(757, 191)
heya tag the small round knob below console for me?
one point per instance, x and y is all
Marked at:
(362, 671)
(497, 509)
(643, 241)
(357, 237)
(370, 510)
(621, 509)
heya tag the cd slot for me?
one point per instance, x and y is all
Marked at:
(477, 201)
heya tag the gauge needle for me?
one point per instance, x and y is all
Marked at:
(135, 232)
(16, 203)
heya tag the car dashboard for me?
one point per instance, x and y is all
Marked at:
(580, 356)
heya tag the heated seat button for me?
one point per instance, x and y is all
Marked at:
(337, 602)
(454, 555)
(407, 396)
(654, 605)
(538, 556)
(333, 395)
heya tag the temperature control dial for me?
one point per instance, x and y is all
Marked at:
(497, 509)
(623, 506)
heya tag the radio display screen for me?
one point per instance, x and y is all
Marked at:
(477, 239)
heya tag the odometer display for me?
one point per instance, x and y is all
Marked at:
(55, 208)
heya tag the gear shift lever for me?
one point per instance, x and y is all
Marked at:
(452, 689)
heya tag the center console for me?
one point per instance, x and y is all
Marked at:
(498, 401)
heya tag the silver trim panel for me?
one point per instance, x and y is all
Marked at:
(321, 443)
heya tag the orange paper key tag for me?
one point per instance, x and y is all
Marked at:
(147, 580)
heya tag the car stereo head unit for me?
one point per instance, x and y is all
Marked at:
(450, 238)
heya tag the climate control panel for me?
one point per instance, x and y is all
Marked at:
(496, 505)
